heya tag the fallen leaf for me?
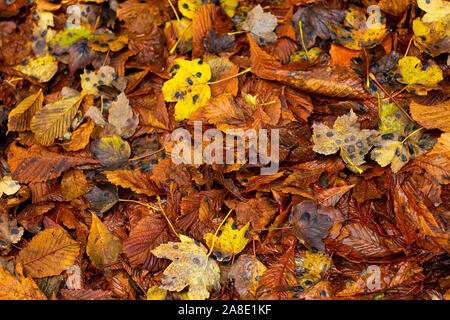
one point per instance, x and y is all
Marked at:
(9, 231)
(435, 116)
(74, 184)
(246, 272)
(41, 68)
(80, 137)
(8, 186)
(190, 267)
(49, 253)
(345, 136)
(156, 293)
(111, 151)
(121, 116)
(53, 120)
(19, 119)
(103, 248)
(261, 26)
(138, 181)
(18, 288)
(229, 240)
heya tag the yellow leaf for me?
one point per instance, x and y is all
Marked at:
(357, 33)
(74, 184)
(435, 9)
(111, 151)
(45, 19)
(189, 7)
(105, 42)
(315, 264)
(432, 37)
(19, 118)
(229, 241)
(188, 86)
(190, 267)
(420, 79)
(102, 77)
(41, 68)
(229, 7)
(392, 119)
(54, 119)
(156, 293)
(49, 253)
(103, 247)
(70, 36)
(20, 288)
(346, 136)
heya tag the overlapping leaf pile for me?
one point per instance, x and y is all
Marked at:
(96, 202)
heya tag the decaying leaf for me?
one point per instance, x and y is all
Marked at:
(74, 184)
(229, 241)
(436, 116)
(121, 116)
(111, 151)
(49, 253)
(419, 78)
(190, 267)
(8, 186)
(9, 231)
(246, 273)
(41, 68)
(138, 181)
(345, 136)
(261, 25)
(103, 248)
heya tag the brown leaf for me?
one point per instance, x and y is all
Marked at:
(37, 164)
(258, 211)
(138, 181)
(74, 184)
(80, 137)
(323, 81)
(431, 117)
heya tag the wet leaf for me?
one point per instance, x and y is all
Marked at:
(261, 26)
(19, 118)
(8, 186)
(49, 253)
(41, 68)
(18, 288)
(53, 120)
(138, 181)
(190, 267)
(188, 86)
(103, 248)
(121, 116)
(111, 151)
(80, 137)
(430, 117)
(156, 293)
(229, 240)
(9, 231)
(74, 184)
(345, 136)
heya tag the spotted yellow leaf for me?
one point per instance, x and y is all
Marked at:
(41, 68)
(188, 87)
(229, 241)
(190, 267)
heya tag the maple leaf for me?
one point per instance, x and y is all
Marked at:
(103, 247)
(314, 263)
(356, 33)
(190, 267)
(106, 76)
(419, 78)
(188, 86)
(229, 241)
(111, 151)
(49, 253)
(397, 148)
(345, 136)
(431, 37)
(261, 25)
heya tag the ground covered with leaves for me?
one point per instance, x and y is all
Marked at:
(94, 206)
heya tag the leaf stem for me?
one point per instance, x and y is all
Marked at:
(301, 37)
(409, 135)
(237, 32)
(146, 155)
(179, 38)
(231, 77)
(174, 11)
(390, 96)
(215, 234)
(350, 161)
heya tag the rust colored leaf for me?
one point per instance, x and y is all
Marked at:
(37, 164)
(80, 137)
(138, 181)
(430, 117)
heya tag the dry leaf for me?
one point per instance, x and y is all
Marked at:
(19, 119)
(121, 116)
